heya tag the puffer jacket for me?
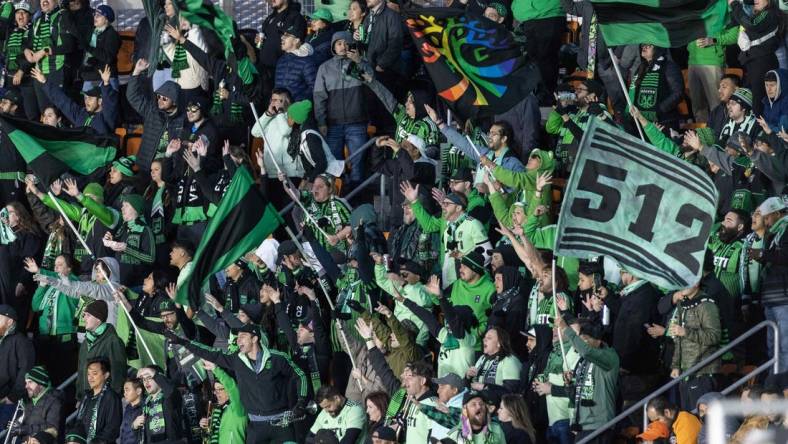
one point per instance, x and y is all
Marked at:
(775, 112)
(296, 72)
(156, 121)
(195, 76)
(700, 317)
(339, 98)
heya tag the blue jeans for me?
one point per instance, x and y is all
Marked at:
(779, 315)
(559, 433)
(355, 136)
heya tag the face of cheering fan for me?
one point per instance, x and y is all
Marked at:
(321, 191)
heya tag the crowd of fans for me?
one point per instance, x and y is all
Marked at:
(443, 319)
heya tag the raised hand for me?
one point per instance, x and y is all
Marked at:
(105, 75)
(140, 66)
(692, 140)
(71, 187)
(438, 195)
(433, 286)
(410, 192)
(543, 179)
(192, 160)
(38, 75)
(31, 266)
(431, 113)
(383, 310)
(174, 32)
(364, 329)
(56, 187)
(172, 147)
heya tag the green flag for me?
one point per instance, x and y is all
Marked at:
(205, 14)
(664, 23)
(50, 151)
(648, 210)
(241, 223)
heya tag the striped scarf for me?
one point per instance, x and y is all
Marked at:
(42, 31)
(216, 422)
(13, 47)
(395, 405)
(236, 109)
(179, 61)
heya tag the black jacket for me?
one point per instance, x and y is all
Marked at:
(17, 357)
(273, 27)
(246, 290)
(384, 34)
(103, 122)
(45, 414)
(156, 122)
(104, 53)
(630, 340)
(171, 411)
(108, 417)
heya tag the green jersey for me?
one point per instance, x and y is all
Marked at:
(726, 263)
(352, 416)
(456, 355)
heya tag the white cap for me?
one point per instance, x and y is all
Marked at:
(418, 142)
(771, 205)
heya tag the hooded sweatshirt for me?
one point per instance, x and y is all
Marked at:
(775, 111)
(92, 289)
(477, 295)
(339, 98)
(524, 182)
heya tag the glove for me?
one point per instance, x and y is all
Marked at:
(174, 338)
(355, 306)
(299, 410)
(337, 314)
(595, 109)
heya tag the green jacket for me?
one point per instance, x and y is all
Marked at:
(57, 309)
(524, 182)
(415, 293)
(468, 235)
(543, 238)
(109, 346)
(600, 387)
(701, 320)
(537, 9)
(232, 428)
(713, 55)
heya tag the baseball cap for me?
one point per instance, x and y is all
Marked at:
(450, 379)
(771, 205)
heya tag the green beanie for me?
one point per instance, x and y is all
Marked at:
(299, 111)
(135, 200)
(39, 375)
(125, 165)
(95, 191)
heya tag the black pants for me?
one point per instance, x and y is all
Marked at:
(265, 433)
(543, 41)
(693, 388)
(755, 71)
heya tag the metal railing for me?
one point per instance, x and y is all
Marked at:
(774, 362)
(364, 184)
(70, 380)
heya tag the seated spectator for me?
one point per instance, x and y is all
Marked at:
(775, 103)
(683, 426)
(343, 417)
(100, 412)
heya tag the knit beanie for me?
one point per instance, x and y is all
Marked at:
(43, 437)
(39, 375)
(125, 165)
(98, 309)
(95, 191)
(135, 200)
(299, 111)
(76, 438)
(475, 261)
(743, 97)
(106, 11)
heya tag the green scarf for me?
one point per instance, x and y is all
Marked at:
(246, 70)
(216, 422)
(179, 61)
(92, 336)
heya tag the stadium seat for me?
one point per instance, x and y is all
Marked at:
(131, 145)
(125, 64)
(738, 71)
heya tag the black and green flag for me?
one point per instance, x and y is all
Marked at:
(664, 23)
(50, 151)
(241, 223)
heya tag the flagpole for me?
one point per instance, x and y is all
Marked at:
(555, 309)
(328, 299)
(624, 89)
(478, 153)
(103, 273)
(279, 170)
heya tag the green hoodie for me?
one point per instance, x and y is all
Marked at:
(477, 295)
(543, 238)
(524, 182)
(713, 55)
(537, 9)
(416, 293)
(232, 428)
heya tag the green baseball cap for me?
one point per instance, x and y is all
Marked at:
(322, 14)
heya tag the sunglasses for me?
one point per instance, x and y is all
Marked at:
(193, 108)
(161, 97)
